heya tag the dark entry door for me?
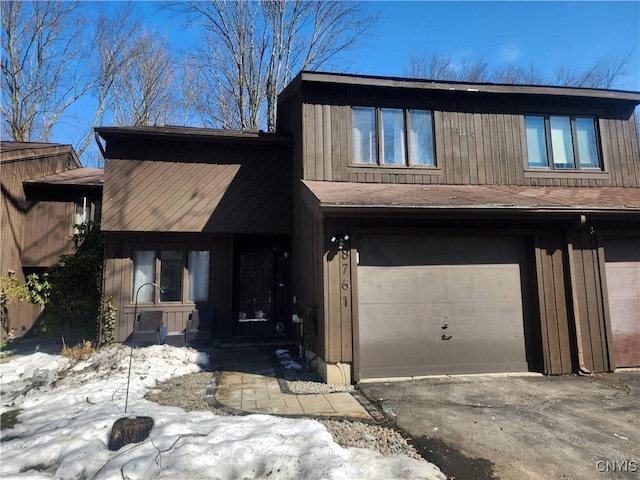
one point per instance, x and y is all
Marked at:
(260, 293)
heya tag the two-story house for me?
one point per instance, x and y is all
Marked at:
(415, 227)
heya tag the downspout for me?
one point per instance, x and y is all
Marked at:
(582, 369)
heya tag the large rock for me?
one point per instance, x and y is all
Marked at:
(129, 430)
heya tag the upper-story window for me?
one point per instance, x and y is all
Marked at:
(392, 136)
(562, 142)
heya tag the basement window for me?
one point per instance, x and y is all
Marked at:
(563, 143)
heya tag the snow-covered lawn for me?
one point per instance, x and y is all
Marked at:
(67, 411)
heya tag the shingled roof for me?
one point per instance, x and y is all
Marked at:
(329, 197)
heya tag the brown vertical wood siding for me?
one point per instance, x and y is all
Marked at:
(589, 300)
(20, 241)
(478, 139)
(338, 300)
(307, 277)
(554, 310)
(48, 233)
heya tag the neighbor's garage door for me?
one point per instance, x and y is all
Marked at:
(440, 305)
(622, 261)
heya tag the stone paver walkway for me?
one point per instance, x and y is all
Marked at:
(255, 393)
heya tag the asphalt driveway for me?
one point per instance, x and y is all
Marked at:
(520, 427)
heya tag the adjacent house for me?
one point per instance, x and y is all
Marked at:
(45, 192)
(411, 227)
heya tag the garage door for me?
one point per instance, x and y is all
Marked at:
(622, 260)
(440, 305)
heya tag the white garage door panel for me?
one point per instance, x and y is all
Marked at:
(410, 287)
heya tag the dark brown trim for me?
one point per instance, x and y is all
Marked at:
(355, 319)
(581, 174)
(355, 210)
(194, 134)
(422, 169)
(397, 82)
(605, 303)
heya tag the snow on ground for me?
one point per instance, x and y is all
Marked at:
(68, 409)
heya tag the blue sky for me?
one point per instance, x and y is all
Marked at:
(544, 34)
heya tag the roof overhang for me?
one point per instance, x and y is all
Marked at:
(78, 177)
(193, 134)
(448, 86)
(354, 199)
(23, 151)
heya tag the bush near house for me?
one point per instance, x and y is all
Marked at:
(74, 301)
(70, 291)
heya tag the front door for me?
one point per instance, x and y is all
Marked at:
(260, 294)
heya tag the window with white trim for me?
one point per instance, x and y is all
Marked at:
(565, 143)
(392, 136)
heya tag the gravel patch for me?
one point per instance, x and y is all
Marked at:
(186, 392)
(384, 440)
(296, 379)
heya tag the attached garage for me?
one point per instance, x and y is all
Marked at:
(622, 264)
(442, 305)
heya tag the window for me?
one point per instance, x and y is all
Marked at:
(562, 142)
(393, 152)
(143, 272)
(421, 137)
(172, 270)
(82, 214)
(365, 143)
(392, 136)
(198, 282)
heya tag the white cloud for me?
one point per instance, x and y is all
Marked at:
(510, 52)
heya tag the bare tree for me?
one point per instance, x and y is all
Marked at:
(53, 55)
(253, 49)
(110, 57)
(517, 74)
(446, 68)
(604, 73)
(144, 90)
(41, 74)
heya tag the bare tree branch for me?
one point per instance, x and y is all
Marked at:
(144, 86)
(605, 73)
(253, 49)
(111, 56)
(446, 68)
(41, 72)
